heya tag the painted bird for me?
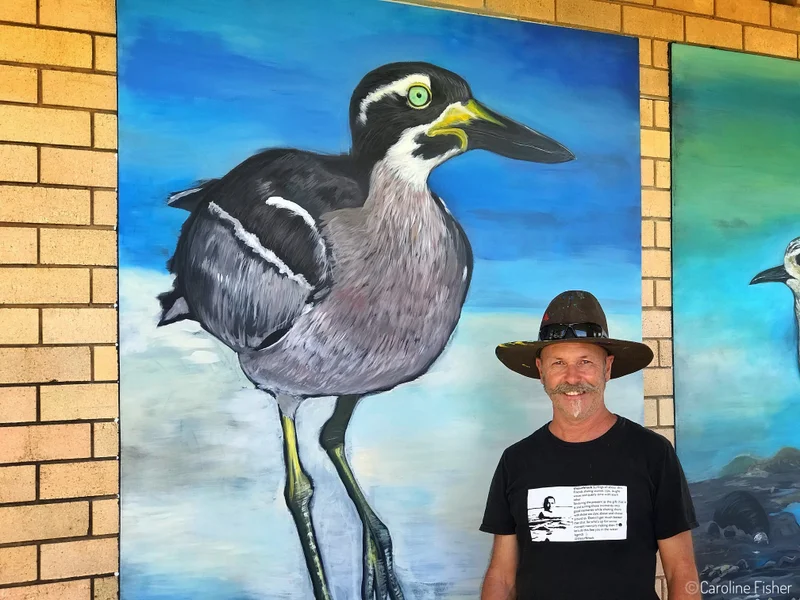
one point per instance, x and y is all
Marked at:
(342, 275)
(788, 273)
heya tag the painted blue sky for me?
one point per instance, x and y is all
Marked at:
(736, 140)
(205, 85)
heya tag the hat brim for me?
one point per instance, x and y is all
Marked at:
(629, 357)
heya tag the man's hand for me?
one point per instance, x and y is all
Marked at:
(502, 572)
(677, 557)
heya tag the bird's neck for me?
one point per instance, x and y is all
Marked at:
(397, 192)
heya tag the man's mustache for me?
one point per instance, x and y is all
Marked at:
(581, 388)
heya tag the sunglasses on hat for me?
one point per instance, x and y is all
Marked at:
(563, 331)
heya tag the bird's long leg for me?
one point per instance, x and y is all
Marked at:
(379, 580)
(298, 492)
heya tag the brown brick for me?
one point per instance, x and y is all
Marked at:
(104, 286)
(17, 564)
(81, 401)
(105, 207)
(105, 51)
(713, 33)
(661, 113)
(45, 46)
(656, 263)
(645, 51)
(657, 382)
(643, 2)
(19, 11)
(18, 246)
(660, 54)
(87, 90)
(78, 247)
(650, 412)
(105, 517)
(465, 3)
(655, 143)
(25, 443)
(647, 22)
(79, 325)
(696, 6)
(646, 112)
(44, 125)
(73, 559)
(67, 590)
(17, 484)
(786, 17)
(89, 15)
(540, 10)
(106, 440)
(655, 203)
(19, 326)
(106, 588)
(648, 293)
(663, 174)
(648, 234)
(17, 404)
(648, 172)
(766, 41)
(656, 324)
(654, 82)
(18, 84)
(669, 434)
(43, 521)
(666, 412)
(663, 234)
(25, 204)
(33, 365)
(105, 131)
(74, 480)
(665, 352)
(105, 363)
(589, 13)
(18, 163)
(663, 293)
(79, 167)
(750, 11)
(21, 285)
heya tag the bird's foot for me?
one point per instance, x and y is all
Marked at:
(379, 579)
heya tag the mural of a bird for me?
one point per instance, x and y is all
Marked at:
(342, 275)
(788, 273)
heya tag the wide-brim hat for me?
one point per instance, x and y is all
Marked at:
(570, 316)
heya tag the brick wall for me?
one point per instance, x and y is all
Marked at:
(59, 481)
(58, 280)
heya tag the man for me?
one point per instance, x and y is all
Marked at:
(621, 490)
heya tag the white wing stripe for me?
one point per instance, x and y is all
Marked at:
(279, 202)
(252, 242)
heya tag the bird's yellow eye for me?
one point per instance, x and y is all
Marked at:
(419, 96)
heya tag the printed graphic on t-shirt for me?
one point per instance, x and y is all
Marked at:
(578, 513)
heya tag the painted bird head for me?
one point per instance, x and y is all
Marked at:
(417, 115)
(788, 272)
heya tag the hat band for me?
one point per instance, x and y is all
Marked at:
(562, 331)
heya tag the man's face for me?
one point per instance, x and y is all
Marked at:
(574, 375)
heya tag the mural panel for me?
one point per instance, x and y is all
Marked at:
(330, 215)
(736, 144)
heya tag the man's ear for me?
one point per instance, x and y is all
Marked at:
(609, 362)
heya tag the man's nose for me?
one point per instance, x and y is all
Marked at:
(573, 375)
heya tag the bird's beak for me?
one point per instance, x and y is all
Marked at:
(477, 127)
(774, 274)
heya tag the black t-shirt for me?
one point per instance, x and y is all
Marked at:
(588, 515)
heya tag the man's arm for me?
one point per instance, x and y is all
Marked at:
(499, 583)
(677, 557)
